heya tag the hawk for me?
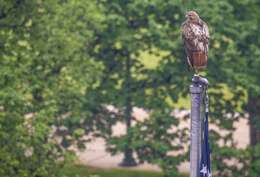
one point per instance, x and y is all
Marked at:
(195, 35)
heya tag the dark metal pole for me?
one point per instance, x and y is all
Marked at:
(197, 90)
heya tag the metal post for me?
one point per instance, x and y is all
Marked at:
(197, 91)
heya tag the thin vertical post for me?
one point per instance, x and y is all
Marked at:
(197, 89)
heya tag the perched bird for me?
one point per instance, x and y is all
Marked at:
(195, 35)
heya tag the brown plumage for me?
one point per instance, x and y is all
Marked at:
(195, 36)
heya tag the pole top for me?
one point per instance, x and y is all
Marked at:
(198, 84)
(199, 80)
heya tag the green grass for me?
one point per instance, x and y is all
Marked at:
(83, 171)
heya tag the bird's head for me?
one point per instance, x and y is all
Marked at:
(192, 16)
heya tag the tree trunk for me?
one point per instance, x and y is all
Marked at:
(128, 152)
(254, 115)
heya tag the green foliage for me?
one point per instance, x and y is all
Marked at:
(44, 73)
(62, 63)
(24, 148)
(131, 29)
(255, 161)
(137, 27)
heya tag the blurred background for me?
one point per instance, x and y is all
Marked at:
(100, 88)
